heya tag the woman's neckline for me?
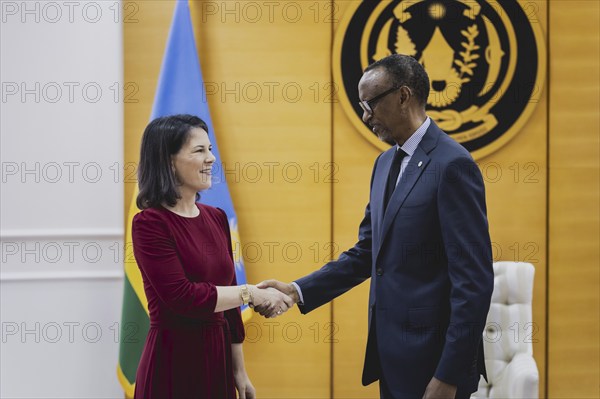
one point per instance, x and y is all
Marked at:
(184, 216)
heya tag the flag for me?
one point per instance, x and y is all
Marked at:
(180, 91)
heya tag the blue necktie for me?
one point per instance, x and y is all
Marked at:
(393, 176)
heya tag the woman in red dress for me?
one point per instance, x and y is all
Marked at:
(183, 249)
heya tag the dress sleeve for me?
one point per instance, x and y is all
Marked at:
(157, 258)
(233, 316)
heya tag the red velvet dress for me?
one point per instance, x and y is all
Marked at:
(187, 353)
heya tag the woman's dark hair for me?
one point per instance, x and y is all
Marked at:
(162, 138)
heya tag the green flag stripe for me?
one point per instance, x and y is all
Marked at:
(134, 329)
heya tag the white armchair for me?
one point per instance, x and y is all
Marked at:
(508, 336)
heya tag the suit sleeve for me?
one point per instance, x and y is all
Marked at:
(233, 316)
(463, 220)
(350, 269)
(158, 260)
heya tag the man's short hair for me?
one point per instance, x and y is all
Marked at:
(405, 70)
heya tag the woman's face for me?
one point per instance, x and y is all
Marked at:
(193, 163)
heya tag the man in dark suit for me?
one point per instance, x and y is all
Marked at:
(424, 242)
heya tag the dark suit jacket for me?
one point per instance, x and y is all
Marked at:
(430, 263)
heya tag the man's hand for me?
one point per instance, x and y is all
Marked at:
(437, 389)
(271, 301)
(287, 289)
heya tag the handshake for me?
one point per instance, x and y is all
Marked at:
(272, 298)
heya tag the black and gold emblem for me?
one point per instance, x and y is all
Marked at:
(485, 59)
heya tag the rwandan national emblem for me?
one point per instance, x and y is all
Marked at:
(486, 62)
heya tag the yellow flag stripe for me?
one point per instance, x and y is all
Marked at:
(247, 315)
(128, 387)
(132, 270)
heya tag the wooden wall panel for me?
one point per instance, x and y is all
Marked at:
(516, 194)
(145, 36)
(265, 141)
(354, 157)
(574, 350)
(284, 131)
(516, 180)
(266, 68)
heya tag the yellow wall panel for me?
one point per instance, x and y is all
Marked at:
(145, 30)
(354, 157)
(268, 72)
(266, 75)
(516, 183)
(516, 193)
(574, 350)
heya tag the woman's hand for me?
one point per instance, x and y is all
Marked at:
(275, 302)
(244, 386)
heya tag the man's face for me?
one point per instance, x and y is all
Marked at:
(387, 111)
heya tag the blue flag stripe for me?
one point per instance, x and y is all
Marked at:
(181, 91)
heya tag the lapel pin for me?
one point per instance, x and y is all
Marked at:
(420, 163)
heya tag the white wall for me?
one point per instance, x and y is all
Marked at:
(61, 203)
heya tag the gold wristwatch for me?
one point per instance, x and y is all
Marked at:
(245, 294)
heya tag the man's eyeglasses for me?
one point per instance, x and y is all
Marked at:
(367, 105)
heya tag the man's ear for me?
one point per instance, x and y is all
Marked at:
(405, 94)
